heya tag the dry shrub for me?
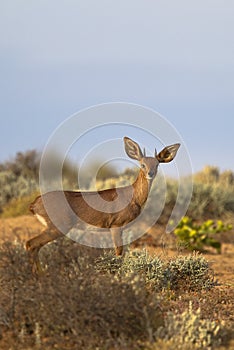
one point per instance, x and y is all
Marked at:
(189, 328)
(84, 301)
(72, 305)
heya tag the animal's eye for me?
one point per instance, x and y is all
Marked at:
(143, 166)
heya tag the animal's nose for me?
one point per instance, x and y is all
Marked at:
(151, 173)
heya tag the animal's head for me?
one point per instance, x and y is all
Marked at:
(149, 165)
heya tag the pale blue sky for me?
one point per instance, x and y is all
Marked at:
(176, 57)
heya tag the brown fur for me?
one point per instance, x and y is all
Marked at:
(117, 208)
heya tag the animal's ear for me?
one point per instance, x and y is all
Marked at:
(168, 153)
(132, 149)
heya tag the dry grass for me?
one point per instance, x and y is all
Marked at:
(73, 306)
(20, 228)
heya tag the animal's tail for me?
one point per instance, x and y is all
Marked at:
(32, 206)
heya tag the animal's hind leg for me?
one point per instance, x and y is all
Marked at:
(118, 240)
(34, 245)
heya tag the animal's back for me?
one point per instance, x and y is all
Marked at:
(105, 208)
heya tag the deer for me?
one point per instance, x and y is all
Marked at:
(83, 204)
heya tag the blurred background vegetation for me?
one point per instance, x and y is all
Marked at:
(213, 190)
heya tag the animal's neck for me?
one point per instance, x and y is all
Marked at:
(141, 188)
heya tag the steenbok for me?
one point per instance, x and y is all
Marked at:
(117, 208)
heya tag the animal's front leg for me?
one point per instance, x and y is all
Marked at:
(117, 240)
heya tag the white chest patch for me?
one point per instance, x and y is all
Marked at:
(41, 219)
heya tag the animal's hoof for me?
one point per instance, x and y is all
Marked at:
(37, 269)
(28, 245)
(119, 251)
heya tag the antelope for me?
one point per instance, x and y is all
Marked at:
(119, 206)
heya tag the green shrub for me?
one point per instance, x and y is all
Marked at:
(191, 272)
(199, 236)
(13, 187)
(133, 263)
